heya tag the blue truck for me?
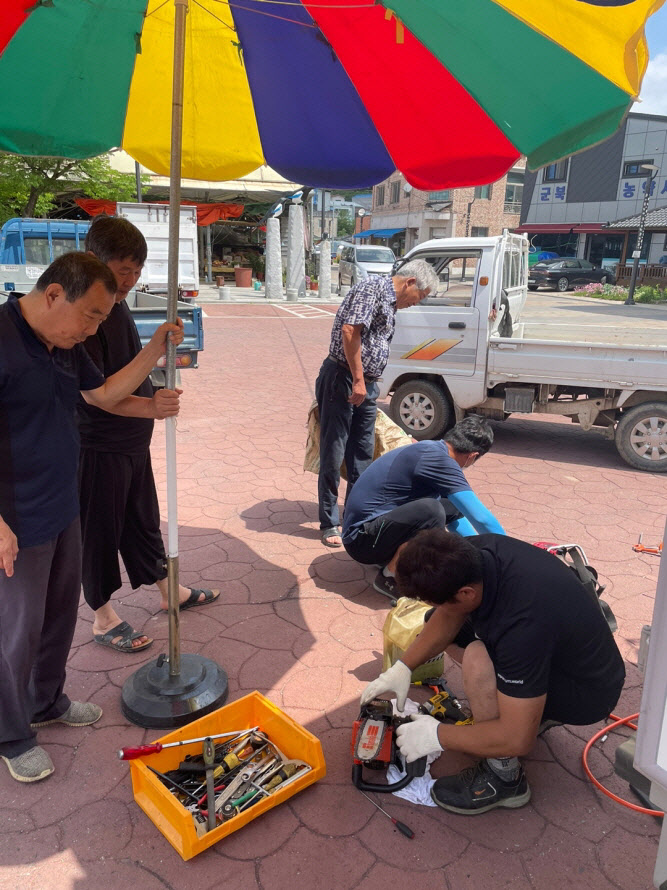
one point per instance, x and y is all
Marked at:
(27, 246)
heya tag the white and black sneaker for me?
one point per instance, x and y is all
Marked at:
(386, 585)
(479, 789)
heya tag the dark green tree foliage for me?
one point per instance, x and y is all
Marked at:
(29, 186)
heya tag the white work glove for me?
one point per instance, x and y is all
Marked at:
(419, 738)
(395, 679)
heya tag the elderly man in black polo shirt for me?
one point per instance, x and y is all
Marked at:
(346, 388)
(43, 367)
(534, 646)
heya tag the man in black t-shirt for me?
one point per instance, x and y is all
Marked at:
(533, 644)
(119, 505)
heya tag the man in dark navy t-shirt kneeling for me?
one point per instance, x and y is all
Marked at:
(533, 644)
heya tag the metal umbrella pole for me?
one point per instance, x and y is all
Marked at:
(174, 690)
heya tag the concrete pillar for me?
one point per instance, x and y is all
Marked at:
(325, 270)
(296, 252)
(273, 273)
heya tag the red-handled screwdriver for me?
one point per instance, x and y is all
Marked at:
(402, 827)
(156, 747)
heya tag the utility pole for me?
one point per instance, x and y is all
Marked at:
(637, 252)
(137, 176)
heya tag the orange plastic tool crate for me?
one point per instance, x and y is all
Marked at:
(172, 819)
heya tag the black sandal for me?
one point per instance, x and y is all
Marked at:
(127, 634)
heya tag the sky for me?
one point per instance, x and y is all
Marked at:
(654, 87)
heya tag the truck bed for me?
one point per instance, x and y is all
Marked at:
(605, 365)
(149, 311)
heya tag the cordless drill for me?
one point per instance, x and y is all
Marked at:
(444, 705)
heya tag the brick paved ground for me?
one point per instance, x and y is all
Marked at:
(302, 625)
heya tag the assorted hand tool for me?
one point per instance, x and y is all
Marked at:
(643, 548)
(443, 705)
(402, 827)
(226, 779)
(156, 747)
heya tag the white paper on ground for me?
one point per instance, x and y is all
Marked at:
(419, 789)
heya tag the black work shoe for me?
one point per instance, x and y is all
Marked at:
(478, 789)
(386, 586)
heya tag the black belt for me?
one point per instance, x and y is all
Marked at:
(341, 364)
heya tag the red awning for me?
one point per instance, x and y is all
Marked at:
(206, 213)
(555, 228)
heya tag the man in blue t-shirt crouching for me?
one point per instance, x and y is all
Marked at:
(417, 487)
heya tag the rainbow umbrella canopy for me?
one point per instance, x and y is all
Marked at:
(334, 93)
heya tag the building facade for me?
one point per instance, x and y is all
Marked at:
(568, 208)
(402, 216)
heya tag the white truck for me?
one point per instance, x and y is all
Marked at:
(152, 220)
(27, 246)
(464, 350)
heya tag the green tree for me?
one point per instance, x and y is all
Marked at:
(345, 224)
(29, 186)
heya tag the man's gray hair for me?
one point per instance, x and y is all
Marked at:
(427, 277)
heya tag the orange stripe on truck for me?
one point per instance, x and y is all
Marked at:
(430, 349)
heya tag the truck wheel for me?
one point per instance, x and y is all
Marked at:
(562, 284)
(603, 280)
(421, 409)
(641, 437)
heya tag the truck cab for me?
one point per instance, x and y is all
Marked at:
(482, 291)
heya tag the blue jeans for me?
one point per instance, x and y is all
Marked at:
(346, 433)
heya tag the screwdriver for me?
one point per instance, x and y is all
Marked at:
(209, 763)
(402, 827)
(156, 747)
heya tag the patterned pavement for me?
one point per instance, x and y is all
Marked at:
(301, 624)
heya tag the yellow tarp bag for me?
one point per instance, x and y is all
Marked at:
(401, 628)
(388, 436)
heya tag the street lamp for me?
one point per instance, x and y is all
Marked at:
(636, 253)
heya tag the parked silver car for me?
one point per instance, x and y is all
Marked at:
(358, 261)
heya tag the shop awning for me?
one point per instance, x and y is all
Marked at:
(378, 233)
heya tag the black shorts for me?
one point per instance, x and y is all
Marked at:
(569, 699)
(379, 538)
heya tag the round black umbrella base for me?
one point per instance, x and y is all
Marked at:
(152, 698)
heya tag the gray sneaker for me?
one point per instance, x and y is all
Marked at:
(79, 713)
(31, 766)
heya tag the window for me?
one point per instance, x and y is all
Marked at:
(555, 172)
(457, 273)
(634, 168)
(513, 192)
(395, 192)
(584, 264)
(664, 246)
(37, 251)
(379, 195)
(479, 231)
(483, 191)
(442, 195)
(512, 267)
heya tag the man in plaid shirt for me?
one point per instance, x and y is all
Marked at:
(346, 388)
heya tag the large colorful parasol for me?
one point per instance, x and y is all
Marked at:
(334, 93)
(328, 93)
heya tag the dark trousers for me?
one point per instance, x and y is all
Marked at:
(346, 433)
(379, 538)
(119, 513)
(38, 607)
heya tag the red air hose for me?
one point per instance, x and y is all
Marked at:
(617, 722)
